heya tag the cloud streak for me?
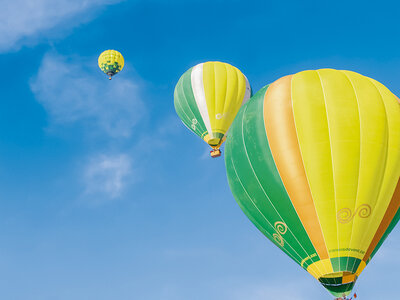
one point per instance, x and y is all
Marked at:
(72, 90)
(26, 22)
(107, 175)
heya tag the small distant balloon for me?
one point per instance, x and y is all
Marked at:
(207, 98)
(111, 62)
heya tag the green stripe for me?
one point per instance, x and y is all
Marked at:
(257, 186)
(350, 264)
(238, 189)
(186, 106)
(331, 281)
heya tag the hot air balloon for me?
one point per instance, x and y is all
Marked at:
(313, 160)
(207, 98)
(111, 62)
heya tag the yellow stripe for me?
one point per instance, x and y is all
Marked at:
(392, 170)
(320, 268)
(224, 88)
(343, 122)
(372, 154)
(221, 95)
(313, 136)
(209, 90)
(361, 267)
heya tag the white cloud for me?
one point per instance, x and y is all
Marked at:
(106, 176)
(26, 21)
(72, 89)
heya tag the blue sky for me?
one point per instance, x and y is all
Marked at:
(105, 194)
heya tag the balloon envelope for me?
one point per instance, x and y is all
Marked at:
(314, 161)
(111, 62)
(207, 98)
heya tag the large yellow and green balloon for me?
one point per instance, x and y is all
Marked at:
(314, 161)
(111, 62)
(207, 98)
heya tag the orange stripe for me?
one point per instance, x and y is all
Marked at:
(388, 217)
(282, 138)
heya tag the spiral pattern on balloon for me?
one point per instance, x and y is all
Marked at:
(364, 211)
(280, 227)
(278, 238)
(345, 215)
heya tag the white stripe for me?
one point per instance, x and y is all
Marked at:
(200, 96)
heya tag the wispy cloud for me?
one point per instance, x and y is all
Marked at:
(106, 176)
(26, 21)
(161, 134)
(72, 89)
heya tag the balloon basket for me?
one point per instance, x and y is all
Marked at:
(215, 153)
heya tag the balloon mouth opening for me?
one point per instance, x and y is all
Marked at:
(214, 142)
(339, 283)
(345, 276)
(110, 75)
